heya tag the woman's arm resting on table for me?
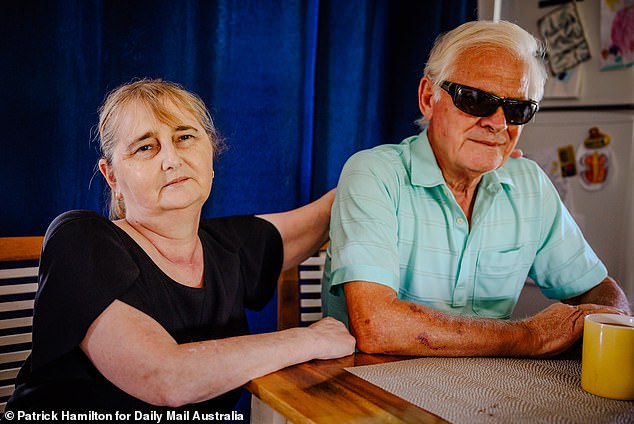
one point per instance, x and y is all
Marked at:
(304, 230)
(607, 292)
(382, 323)
(137, 355)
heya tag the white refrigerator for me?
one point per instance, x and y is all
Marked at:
(604, 212)
(602, 204)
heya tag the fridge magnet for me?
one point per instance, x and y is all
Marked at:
(567, 161)
(617, 34)
(565, 40)
(595, 155)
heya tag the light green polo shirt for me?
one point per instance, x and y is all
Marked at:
(395, 222)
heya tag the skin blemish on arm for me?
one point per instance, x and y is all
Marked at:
(423, 339)
(416, 308)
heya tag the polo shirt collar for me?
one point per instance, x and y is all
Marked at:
(425, 172)
(494, 180)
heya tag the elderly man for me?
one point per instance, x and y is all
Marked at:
(433, 238)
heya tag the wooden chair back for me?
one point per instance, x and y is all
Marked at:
(299, 293)
(19, 257)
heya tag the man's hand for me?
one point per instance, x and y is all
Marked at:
(558, 327)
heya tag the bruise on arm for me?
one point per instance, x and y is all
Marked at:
(423, 338)
(382, 323)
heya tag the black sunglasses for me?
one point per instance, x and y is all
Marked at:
(480, 103)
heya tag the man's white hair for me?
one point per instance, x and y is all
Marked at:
(478, 36)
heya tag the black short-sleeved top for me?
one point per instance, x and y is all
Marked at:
(87, 262)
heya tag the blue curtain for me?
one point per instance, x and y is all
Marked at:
(295, 87)
(370, 59)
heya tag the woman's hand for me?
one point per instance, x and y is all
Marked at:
(517, 153)
(332, 339)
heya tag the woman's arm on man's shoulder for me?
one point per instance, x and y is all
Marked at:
(304, 230)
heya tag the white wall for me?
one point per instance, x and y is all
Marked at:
(616, 244)
(597, 87)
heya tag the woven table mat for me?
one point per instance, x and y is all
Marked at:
(497, 390)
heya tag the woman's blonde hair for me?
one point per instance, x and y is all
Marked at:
(157, 95)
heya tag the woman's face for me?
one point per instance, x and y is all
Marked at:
(159, 167)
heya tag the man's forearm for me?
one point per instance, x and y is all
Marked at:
(420, 331)
(382, 323)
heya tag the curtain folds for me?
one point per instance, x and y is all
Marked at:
(295, 87)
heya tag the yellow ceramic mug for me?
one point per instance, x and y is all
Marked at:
(607, 362)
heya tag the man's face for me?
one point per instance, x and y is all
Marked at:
(467, 146)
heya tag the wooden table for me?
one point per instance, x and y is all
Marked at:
(323, 392)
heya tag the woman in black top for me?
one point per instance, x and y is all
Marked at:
(147, 311)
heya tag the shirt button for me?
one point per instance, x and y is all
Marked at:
(460, 221)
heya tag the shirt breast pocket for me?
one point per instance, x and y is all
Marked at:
(499, 279)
